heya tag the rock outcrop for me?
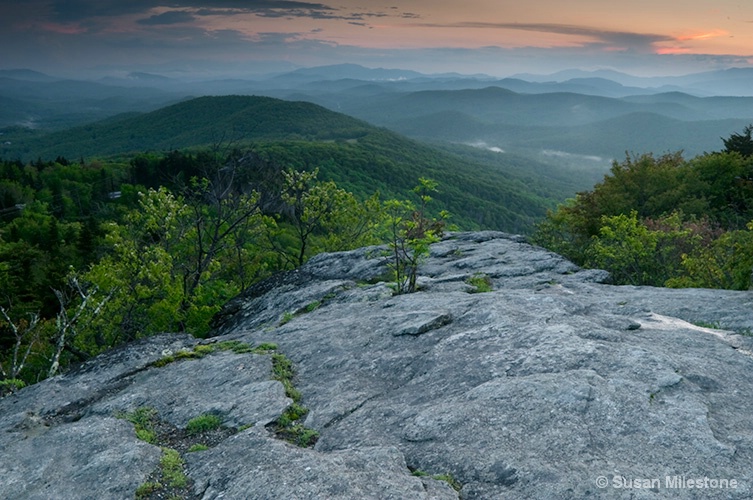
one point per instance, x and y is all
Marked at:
(552, 385)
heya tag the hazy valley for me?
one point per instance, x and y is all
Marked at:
(570, 118)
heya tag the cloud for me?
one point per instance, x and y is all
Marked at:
(621, 39)
(74, 11)
(169, 17)
(79, 10)
(705, 35)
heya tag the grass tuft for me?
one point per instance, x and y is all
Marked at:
(480, 282)
(143, 420)
(203, 423)
(172, 469)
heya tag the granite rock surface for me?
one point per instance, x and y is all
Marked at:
(554, 384)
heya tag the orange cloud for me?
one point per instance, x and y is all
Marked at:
(704, 36)
(673, 50)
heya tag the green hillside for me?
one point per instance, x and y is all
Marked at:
(196, 122)
(359, 157)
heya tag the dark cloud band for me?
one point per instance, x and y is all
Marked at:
(79, 10)
(620, 38)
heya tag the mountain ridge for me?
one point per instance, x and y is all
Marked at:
(358, 156)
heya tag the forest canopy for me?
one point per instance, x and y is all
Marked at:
(664, 220)
(96, 254)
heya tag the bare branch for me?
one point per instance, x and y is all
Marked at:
(30, 333)
(66, 325)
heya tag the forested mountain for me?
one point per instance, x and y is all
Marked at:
(525, 113)
(507, 193)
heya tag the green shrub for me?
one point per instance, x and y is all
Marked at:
(201, 350)
(302, 436)
(236, 346)
(11, 385)
(411, 232)
(146, 435)
(286, 317)
(313, 306)
(283, 371)
(291, 414)
(164, 360)
(447, 477)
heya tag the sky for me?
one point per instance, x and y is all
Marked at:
(216, 38)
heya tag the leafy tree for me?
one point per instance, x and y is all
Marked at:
(323, 217)
(648, 251)
(411, 231)
(726, 263)
(26, 335)
(567, 230)
(354, 224)
(725, 181)
(174, 262)
(624, 247)
(78, 305)
(651, 186)
(678, 210)
(740, 143)
(140, 269)
(222, 220)
(38, 250)
(40, 345)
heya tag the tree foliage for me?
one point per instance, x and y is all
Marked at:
(740, 143)
(323, 217)
(664, 221)
(174, 262)
(411, 231)
(91, 261)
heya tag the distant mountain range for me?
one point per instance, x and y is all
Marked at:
(578, 119)
(571, 122)
(729, 82)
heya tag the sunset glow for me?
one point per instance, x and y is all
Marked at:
(705, 36)
(496, 37)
